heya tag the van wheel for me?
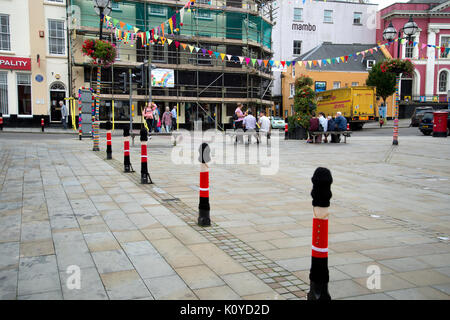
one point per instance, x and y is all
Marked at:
(356, 126)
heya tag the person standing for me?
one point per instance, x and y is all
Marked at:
(324, 123)
(64, 114)
(249, 124)
(148, 116)
(156, 120)
(174, 117)
(264, 124)
(238, 119)
(166, 121)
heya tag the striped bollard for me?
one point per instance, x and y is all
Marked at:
(1, 121)
(127, 167)
(108, 141)
(145, 177)
(286, 131)
(319, 275)
(397, 99)
(203, 207)
(42, 124)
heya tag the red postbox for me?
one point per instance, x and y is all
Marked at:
(440, 124)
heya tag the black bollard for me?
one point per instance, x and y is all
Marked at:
(127, 167)
(145, 176)
(108, 140)
(319, 275)
(203, 207)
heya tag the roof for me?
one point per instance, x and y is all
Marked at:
(427, 1)
(328, 50)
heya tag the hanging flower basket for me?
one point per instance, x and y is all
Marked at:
(103, 53)
(398, 66)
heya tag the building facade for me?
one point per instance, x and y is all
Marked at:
(206, 88)
(430, 82)
(33, 60)
(303, 25)
(354, 72)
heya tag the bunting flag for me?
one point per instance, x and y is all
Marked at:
(191, 48)
(241, 59)
(222, 55)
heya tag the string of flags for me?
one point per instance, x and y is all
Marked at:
(129, 34)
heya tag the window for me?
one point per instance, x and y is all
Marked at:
(357, 17)
(118, 44)
(155, 10)
(4, 93)
(298, 12)
(5, 37)
(203, 14)
(370, 64)
(355, 84)
(203, 1)
(336, 84)
(409, 48)
(445, 42)
(292, 90)
(297, 47)
(115, 6)
(56, 37)
(158, 53)
(24, 93)
(328, 16)
(443, 81)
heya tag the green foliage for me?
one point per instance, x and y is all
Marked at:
(383, 81)
(102, 52)
(304, 103)
(398, 66)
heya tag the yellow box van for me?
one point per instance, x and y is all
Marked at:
(357, 104)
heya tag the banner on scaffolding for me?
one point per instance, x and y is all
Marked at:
(163, 78)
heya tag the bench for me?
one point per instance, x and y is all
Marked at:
(344, 133)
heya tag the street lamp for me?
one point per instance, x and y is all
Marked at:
(389, 33)
(102, 8)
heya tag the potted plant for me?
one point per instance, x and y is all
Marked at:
(103, 53)
(398, 66)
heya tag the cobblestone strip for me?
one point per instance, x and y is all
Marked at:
(282, 281)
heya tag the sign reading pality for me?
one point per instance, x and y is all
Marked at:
(15, 63)
(304, 27)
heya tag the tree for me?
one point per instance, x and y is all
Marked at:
(383, 81)
(304, 102)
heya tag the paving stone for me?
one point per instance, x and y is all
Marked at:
(8, 284)
(404, 264)
(151, 266)
(39, 284)
(424, 277)
(91, 286)
(198, 277)
(31, 267)
(52, 295)
(422, 293)
(124, 285)
(346, 288)
(111, 261)
(245, 283)
(129, 236)
(217, 293)
(169, 288)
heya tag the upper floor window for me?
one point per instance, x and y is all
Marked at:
(298, 14)
(56, 37)
(203, 1)
(443, 81)
(297, 47)
(355, 84)
(409, 48)
(203, 14)
(292, 90)
(445, 42)
(336, 84)
(5, 36)
(156, 10)
(357, 17)
(328, 16)
(115, 6)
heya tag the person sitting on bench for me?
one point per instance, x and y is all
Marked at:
(341, 125)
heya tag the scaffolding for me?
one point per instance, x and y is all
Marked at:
(213, 86)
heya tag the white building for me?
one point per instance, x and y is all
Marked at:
(33, 60)
(301, 26)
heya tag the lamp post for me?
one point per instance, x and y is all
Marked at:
(101, 7)
(389, 34)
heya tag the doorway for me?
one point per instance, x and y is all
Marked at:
(57, 93)
(406, 89)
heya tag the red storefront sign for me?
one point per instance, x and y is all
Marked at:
(15, 63)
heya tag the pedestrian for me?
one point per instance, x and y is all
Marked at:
(381, 122)
(238, 118)
(341, 125)
(166, 120)
(331, 126)
(249, 124)
(147, 112)
(64, 114)
(264, 125)
(174, 117)
(156, 119)
(314, 127)
(324, 123)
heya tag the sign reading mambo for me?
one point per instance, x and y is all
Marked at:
(304, 27)
(15, 63)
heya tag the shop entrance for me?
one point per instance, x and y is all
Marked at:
(57, 94)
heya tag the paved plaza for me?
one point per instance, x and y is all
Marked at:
(63, 205)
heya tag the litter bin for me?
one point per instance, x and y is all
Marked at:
(440, 124)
